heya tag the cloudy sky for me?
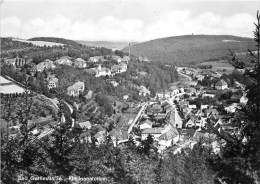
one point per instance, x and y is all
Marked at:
(126, 20)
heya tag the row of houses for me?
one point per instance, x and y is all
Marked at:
(100, 71)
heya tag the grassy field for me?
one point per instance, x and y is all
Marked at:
(7, 87)
(220, 66)
(40, 43)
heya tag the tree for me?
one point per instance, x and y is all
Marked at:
(240, 160)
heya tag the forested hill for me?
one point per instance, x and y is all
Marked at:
(56, 40)
(191, 48)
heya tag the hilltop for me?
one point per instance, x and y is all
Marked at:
(56, 40)
(106, 44)
(189, 49)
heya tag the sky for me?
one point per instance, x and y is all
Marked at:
(126, 20)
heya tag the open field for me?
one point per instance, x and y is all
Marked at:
(8, 87)
(4, 81)
(221, 66)
(40, 43)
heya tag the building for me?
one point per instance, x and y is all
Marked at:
(143, 59)
(143, 91)
(89, 95)
(17, 62)
(76, 89)
(65, 60)
(117, 58)
(146, 124)
(52, 82)
(85, 125)
(175, 119)
(120, 68)
(45, 65)
(243, 99)
(80, 63)
(96, 59)
(221, 85)
(114, 83)
(126, 59)
(155, 132)
(10, 61)
(168, 138)
(101, 71)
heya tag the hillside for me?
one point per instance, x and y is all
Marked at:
(56, 40)
(191, 48)
(106, 44)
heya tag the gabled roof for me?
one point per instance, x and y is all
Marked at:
(147, 121)
(221, 83)
(152, 131)
(173, 132)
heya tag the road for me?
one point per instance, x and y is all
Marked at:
(139, 114)
(185, 75)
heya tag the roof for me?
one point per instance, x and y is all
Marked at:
(76, 85)
(152, 131)
(80, 60)
(147, 121)
(53, 79)
(85, 124)
(187, 132)
(221, 83)
(173, 132)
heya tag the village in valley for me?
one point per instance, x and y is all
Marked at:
(130, 92)
(198, 106)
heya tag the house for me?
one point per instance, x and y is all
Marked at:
(52, 81)
(17, 62)
(64, 60)
(143, 91)
(203, 106)
(200, 77)
(96, 59)
(114, 83)
(193, 106)
(10, 61)
(159, 95)
(125, 59)
(146, 124)
(120, 68)
(116, 58)
(76, 89)
(221, 85)
(143, 59)
(89, 95)
(212, 113)
(155, 132)
(232, 108)
(85, 125)
(20, 62)
(80, 63)
(101, 71)
(168, 138)
(125, 97)
(243, 99)
(191, 122)
(210, 95)
(45, 65)
(100, 136)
